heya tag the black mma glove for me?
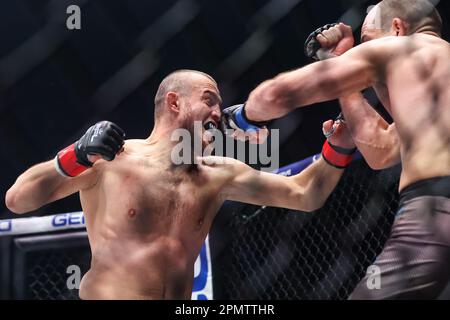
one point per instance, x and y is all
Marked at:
(234, 117)
(311, 43)
(104, 138)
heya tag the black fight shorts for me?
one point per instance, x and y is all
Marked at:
(415, 261)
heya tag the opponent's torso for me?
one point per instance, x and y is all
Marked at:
(146, 222)
(418, 84)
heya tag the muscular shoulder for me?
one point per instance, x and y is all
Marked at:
(389, 51)
(134, 145)
(131, 147)
(221, 167)
(222, 163)
(377, 51)
(393, 48)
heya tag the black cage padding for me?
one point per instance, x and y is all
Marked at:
(40, 265)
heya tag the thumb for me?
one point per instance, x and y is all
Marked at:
(324, 43)
(94, 157)
(327, 126)
(345, 29)
(338, 127)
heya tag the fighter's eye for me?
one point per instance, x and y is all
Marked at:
(209, 101)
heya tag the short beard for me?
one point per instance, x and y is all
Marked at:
(189, 125)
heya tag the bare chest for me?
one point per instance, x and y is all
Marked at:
(147, 196)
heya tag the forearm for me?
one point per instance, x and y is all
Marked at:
(279, 96)
(318, 182)
(358, 113)
(375, 138)
(317, 82)
(34, 188)
(268, 101)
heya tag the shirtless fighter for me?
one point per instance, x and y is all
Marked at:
(148, 218)
(403, 57)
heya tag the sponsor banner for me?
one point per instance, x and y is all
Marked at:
(74, 220)
(203, 278)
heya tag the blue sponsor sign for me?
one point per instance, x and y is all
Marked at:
(68, 219)
(5, 226)
(202, 287)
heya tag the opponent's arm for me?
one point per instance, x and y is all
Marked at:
(353, 71)
(69, 172)
(282, 94)
(317, 82)
(376, 139)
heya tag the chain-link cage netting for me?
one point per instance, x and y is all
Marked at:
(46, 272)
(283, 254)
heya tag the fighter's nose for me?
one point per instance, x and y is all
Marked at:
(216, 114)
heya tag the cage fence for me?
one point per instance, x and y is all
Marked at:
(283, 254)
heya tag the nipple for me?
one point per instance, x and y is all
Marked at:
(131, 213)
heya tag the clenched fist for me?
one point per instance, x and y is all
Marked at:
(329, 41)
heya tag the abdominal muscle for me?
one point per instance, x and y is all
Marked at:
(129, 269)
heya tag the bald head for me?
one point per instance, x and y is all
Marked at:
(420, 15)
(181, 82)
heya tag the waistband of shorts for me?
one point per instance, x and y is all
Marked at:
(438, 187)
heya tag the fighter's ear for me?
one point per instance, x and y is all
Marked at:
(399, 27)
(173, 102)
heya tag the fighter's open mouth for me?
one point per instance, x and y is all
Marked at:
(210, 125)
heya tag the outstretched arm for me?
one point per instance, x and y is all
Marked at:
(355, 70)
(306, 191)
(377, 140)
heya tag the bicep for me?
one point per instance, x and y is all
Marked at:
(330, 79)
(68, 186)
(262, 188)
(345, 74)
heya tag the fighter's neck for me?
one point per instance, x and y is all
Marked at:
(426, 30)
(160, 142)
(162, 133)
(163, 147)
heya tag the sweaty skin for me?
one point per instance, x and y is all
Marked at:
(147, 218)
(146, 222)
(413, 70)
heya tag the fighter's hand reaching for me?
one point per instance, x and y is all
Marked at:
(337, 133)
(103, 140)
(339, 146)
(329, 41)
(234, 119)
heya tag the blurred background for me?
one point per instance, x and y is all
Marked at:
(55, 83)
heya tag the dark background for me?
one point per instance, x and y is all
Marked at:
(55, 83)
